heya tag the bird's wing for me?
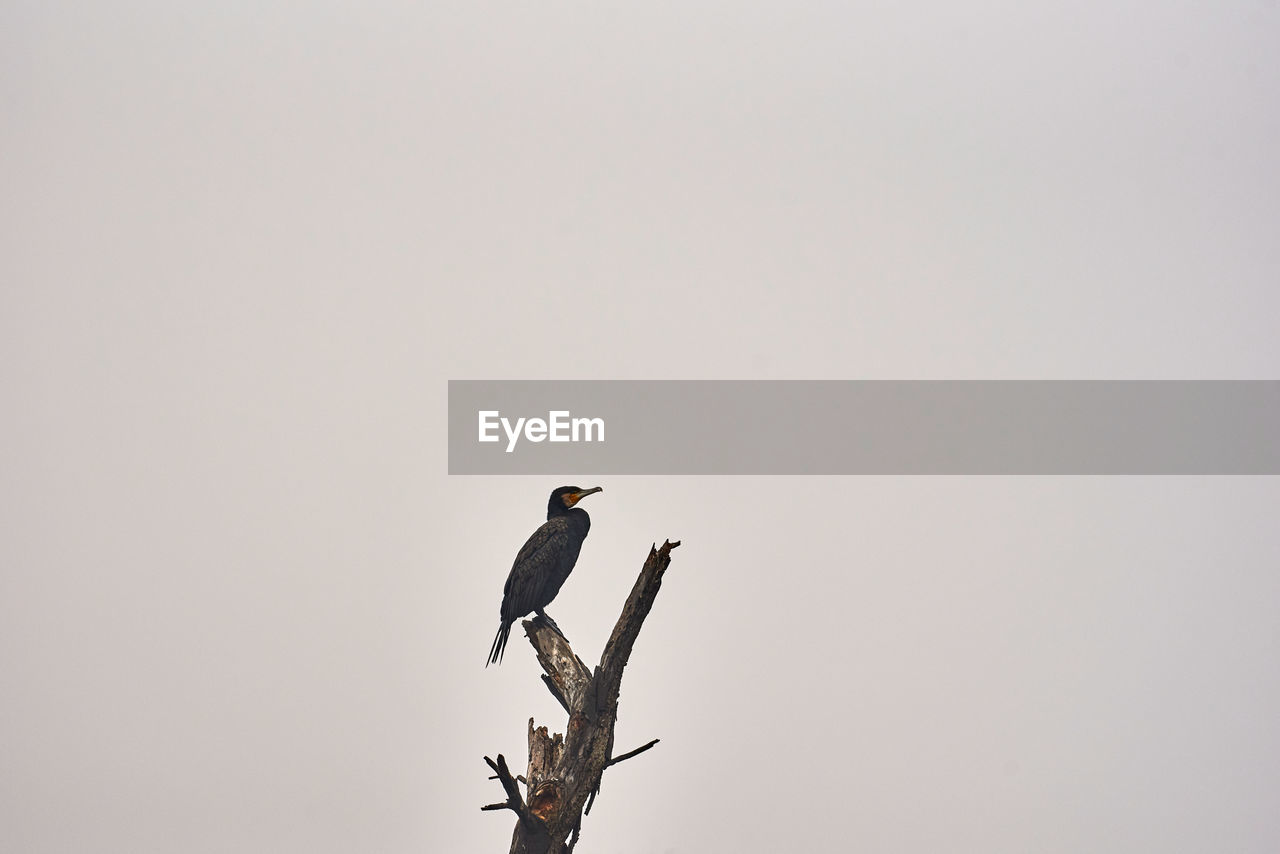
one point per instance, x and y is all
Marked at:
(534, 568)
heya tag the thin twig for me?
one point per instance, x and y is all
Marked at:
(615, 760)
(556, 692)
(513, 802)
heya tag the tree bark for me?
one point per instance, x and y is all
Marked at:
(564, 772)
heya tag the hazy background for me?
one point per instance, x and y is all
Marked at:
(243, 247)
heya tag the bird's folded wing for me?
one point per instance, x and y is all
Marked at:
(534, 567)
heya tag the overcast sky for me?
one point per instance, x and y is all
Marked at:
(243, 247)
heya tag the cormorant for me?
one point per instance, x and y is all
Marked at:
(544, 562)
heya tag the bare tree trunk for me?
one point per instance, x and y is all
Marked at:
(564, 771)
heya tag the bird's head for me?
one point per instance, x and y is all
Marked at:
(567, 496)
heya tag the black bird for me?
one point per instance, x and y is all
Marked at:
(544, 562)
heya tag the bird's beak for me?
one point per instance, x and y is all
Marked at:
(578, 496)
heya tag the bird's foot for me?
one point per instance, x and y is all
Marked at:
(550, 623)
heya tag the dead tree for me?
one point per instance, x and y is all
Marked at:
(564, 771)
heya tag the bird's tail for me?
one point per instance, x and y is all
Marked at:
(499, 644)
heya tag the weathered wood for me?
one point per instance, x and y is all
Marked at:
(544, 755)
(566, 675)
(564, 772)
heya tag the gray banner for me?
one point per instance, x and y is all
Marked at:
(864, 427)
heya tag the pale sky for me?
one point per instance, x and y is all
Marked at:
(243, 247)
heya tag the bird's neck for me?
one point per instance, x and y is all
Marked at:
(576, 515)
